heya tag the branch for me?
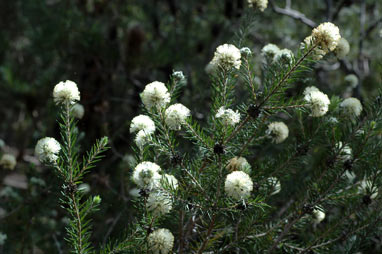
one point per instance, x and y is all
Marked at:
(294, 14)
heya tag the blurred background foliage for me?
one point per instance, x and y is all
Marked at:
(112, 49)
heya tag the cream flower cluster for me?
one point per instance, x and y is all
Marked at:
(226, 56)
(47, 149)
(272, 53)
(159, 203)
(169, 181)
(155, 95)
(176, 115)
(78, 111)
(318, 215)
(161, 241)
(317, 53)
(8, 161)
(238, 185)
(277, 131)
(228, 116)
(317, 100)
(239, 164)
(144, 126)
(66, 92)
(146, 175)
(351, 106)
(342, 48)
(326, 36)
(351, 80)
(261, 4)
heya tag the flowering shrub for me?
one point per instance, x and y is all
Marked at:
(277, 152)
(206, 197)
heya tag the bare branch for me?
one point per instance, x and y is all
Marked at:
(293, 14)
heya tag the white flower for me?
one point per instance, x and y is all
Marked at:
(210, 68)
(66, 91)
(227, 56)
(284, 56)
(333, 120)
(179, 77)
(228, 116)
(169, 181)
(326, 36)
(47, 149)
(317, 53)
(275, 185)
(269, 51)
(78, 111)
(345, 152)
(366, 187)
(159, 203)
(351, 80)
(142, 122)
(156, 95)
(146, 175)
(135, 193)
(239, 164)
(245, 51)
(278, 131)
(142, 138)
(318, 215)
(161, 241)
(176, 115)
(238, 185)
(318, 101)
(342, 48)
(8, 161)
(310, 89)
(261, 4)
(351, 106)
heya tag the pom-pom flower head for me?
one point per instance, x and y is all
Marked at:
(146, 175)
(66, 92)
(142, 138)
(159, 203)
(351, 80)
(278, 131)
(78, 111)
(227, 56)
(284, 56)
(228, 116)
(239, 164)
(342, 48)
(47, 149)
(351, 106)
(326, 36)
(142, 122)
(261, 4)
(161, 241)
(169, 181)
(156, 95)
(176, 115)
(318, 215)
(317, 53)
(238, 185)
(269, 51)
(8, 161)
(317, 101)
